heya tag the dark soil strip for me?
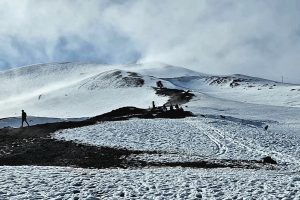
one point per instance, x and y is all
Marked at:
(244, 164)
(49, 152)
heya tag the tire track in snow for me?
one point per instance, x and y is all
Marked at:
(219, 137)
(264, 151)
(209, 132)
(254, 148)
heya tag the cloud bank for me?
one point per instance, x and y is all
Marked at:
(254, 37)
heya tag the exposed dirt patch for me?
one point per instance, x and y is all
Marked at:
(222, 163)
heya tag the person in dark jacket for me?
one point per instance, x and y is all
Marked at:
(164, 108)
(159, 84)
(24, 118)
(153, 105)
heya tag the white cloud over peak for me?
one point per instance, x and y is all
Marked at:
(260, 38)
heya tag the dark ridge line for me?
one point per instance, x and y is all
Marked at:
(208, 164)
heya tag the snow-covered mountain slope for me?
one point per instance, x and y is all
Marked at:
(243, 89)
(80, 90)
(235, 87)
(120, 79)
(29, 79)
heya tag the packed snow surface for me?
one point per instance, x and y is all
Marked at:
(149, 183)
(171, 136)
(193, 138)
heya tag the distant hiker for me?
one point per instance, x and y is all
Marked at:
(164, 108)
(186, 95)
(159, 84)
(269, 160)
(24, 118)
(153, 104)
(266, 127)
(171, 107)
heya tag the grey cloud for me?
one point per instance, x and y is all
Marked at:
(52, 31)
(259, 38)
(254, 37)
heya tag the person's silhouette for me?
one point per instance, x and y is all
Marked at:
(24, 118)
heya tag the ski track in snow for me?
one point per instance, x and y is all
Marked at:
(29, 182)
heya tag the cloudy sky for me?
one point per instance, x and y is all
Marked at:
(254, 37)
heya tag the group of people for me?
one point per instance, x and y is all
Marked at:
(176, 107)
(164, 108)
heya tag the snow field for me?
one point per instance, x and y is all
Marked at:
(33, 182)
(170, 136)
(193, 138)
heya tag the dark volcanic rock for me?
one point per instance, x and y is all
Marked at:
(268, 160)
(61, 153)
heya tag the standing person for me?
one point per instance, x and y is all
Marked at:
(153, 104)
(24, 118)
(159, 84)
(164, 108)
